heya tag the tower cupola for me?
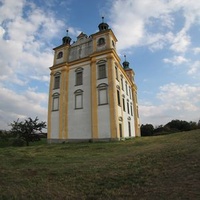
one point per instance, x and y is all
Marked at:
(66, 39)
(125, 63)
(103, 26)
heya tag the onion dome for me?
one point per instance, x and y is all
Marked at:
(103, 26)
(66, 39)
(125, 63)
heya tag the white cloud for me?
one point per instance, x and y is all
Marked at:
(181, 42)
(134, 21)
(195, 69)
(173, 92)
(26, 32)
(10, 9)
(176, 60)
(26, 48)
(153, 114)
(196, 50)
(2, 31)
(176, 100)
(27, 104)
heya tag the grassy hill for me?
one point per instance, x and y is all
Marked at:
(161, 167)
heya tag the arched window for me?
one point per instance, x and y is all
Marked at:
(60, 55)
(102, 93)
(101, 41)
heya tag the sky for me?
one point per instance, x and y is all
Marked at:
(160, 39)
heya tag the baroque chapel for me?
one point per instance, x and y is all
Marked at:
(92, 96)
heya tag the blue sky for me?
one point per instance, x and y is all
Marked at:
(159, 37)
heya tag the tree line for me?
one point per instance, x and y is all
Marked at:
(31, 130)
(171, 127)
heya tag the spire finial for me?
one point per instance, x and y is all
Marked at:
(125, 57)
(67, 31)
(103, 26)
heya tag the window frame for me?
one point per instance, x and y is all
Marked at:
(129, 128)
(124, 104)
(118, 98)
(77, 93)
(59, 55)
(55, 96)
(130, 94)
(100, 87)
(122, 83)
(131, 108)
(128, 109)
(102, 71)
(120, 130)
(116, 73)
(101, 41)
(79, 76)
(57, 77)
(126, 88)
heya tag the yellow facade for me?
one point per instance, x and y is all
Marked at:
(62, 117)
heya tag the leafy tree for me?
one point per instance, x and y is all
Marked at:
(27, 130)
(147, 130)
(179, 125)
(193, 125)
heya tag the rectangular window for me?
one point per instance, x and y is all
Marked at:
(130, 92)
(55, 104)
(56, 82)
(102, 71)
(122, 84)
(128, 107)
(116, 73)
(103, 97)
(78, 101)
(118, 98)
(131, 109)
(102, 93)
(79, 78)
(120, 130)
(124, 108)
(126, 89)
(129, 129)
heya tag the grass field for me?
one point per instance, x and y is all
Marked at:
(161, 167)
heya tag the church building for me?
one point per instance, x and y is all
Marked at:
(92, 96)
